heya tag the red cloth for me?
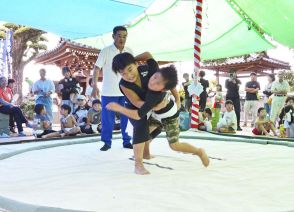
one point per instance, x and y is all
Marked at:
(255, 131)
(6, 94)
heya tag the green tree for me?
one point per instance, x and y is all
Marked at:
(27, 44)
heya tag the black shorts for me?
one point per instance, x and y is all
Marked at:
(140, 130)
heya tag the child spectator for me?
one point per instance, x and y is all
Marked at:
(42, 123)
(217, 106)
(205, 120)
(263, 126)
(289, 102)
(89, 91)
(68, 123)
(228, 123)
(289, 121)
(93, 118)
(81, 112)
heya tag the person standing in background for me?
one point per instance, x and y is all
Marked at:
(232, 85)
(203, 95)
(280, 89)
(43, 88)
(188, 98)
(251, 102)
(268, 92)
(110, 88)
(68, 87)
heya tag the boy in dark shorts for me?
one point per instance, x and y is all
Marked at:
(162, 80)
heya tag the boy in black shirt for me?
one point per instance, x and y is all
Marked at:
(162, 80)
(232, 85)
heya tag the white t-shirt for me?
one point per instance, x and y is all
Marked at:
(228, 119)
(110, 83)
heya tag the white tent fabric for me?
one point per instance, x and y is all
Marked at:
(169, 35)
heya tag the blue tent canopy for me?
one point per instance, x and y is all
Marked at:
(89, 17)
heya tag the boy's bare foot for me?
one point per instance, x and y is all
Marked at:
(204, 158)
(148, 157)
(140, 169)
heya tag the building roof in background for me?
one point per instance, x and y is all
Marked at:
(258, 63)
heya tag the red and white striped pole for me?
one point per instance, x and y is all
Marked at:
(197, 51)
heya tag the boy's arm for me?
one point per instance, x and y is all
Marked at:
(89, 120)
(74, 121)
(133, 114)
(175, 93)
(261, 126)
(144, 56)
(132, 96)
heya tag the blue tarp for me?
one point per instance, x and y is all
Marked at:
(72, 18)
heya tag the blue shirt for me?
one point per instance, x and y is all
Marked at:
(43, 86)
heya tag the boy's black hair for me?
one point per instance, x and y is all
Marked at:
(119, 28)
(201, 73)
(90, 81)
(208, 111)
(121, 61)
(289, 98)
(10, 81)
(260, 109)
(66, 107)
(169, 74)
(229, 102)
(38, 108)
(96, 101)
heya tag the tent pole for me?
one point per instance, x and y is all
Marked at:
(197, 51)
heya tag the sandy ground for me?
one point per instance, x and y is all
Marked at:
(249, 177)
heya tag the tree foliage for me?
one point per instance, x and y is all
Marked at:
(27, 44)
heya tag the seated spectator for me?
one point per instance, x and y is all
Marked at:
(68, 123)
(81, 112)
(263, 126)
(43, 125)
(205, 120)
(9, 91)
(10, 109)
(289, 121)
(89, 91)
(228, 123)
(93, 118)
(289, 102)
(218, 101)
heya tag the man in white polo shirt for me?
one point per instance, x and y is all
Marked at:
(110, 88)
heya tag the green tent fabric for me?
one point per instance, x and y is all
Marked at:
(275, 17)
(169, 35)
